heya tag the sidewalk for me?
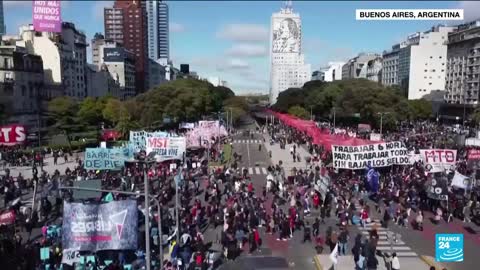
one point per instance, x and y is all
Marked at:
(48, 166)
(285, 156)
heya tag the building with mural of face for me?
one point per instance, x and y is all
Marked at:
(288, 68)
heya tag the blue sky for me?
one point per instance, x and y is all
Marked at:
(230, 39)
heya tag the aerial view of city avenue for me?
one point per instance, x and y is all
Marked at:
(239, 135)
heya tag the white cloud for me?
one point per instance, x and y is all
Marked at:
(98, 8)
(233, 64)
(244, 32)
(176, 27)
(471, 10)
(13, 28)
(247, 50)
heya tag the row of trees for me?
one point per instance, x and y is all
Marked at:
(357, 100)
(176, 101)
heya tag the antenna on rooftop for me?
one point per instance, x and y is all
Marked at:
(288, 5)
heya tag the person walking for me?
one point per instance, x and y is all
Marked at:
(307, 233)
(343, 241)
(395, 262)
(419, 221)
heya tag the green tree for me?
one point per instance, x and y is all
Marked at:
(421, 109)
(62, 112)
(90, 110)
(299, 112)
(112, 111)
(236, 112)
(62, 116)
(183, 99)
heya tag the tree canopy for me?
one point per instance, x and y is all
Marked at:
(353, 98)
(179, 100)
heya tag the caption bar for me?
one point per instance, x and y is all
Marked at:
(409, 14)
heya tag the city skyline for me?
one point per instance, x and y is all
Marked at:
(230, 40)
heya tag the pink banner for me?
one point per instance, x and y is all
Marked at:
(47, 16)
(7, 218)
(201, 135)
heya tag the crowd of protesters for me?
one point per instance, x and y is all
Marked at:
(225, 200)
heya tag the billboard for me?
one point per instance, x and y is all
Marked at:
(113, 54)
(12, 135)
(286, 35)
(93, 227)
(47, 16)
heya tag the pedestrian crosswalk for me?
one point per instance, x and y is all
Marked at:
(248, 141)
(255, 170)
(388, 241)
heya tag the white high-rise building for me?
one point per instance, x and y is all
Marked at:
(288, 68)
(422, 62)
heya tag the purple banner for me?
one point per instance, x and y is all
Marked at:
(47, 16)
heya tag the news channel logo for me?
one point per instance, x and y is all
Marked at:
(449, 247)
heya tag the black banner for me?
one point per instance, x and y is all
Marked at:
(110, 226)
(438, 189)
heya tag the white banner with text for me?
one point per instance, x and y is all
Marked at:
(438, 160)
(166, 148)
(374, 155)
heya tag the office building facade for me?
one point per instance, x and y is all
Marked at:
(126, 23)
(462, 84)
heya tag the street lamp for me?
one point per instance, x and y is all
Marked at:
(143, 160)
(381, 120)
(334, 112)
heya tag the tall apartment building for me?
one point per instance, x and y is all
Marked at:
(158, 31)
(126, 23)
(463, 65)
(21, 84)
(3, 28)
(422, 62)
(356, 67)
(64, 58)
(390, 66)
(288, 68)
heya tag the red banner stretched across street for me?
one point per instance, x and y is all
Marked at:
(319, 136)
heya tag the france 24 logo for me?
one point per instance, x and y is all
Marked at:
(449, 247)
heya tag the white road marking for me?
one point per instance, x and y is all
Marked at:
(264, 171)
(386, 248)
(250, 170)
(257, 170)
